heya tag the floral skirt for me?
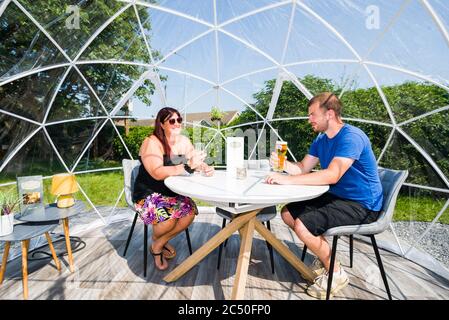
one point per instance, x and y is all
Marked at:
(158, 208)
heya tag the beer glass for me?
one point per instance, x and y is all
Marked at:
(281, 151)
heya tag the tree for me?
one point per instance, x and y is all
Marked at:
(23, 46)
(407, 100)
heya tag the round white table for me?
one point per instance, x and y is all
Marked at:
(245, 198)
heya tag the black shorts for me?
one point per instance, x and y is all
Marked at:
(328, 211)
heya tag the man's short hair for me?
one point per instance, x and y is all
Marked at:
(329, 101)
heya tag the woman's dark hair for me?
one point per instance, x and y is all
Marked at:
(163, 115)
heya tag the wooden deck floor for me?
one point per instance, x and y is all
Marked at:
(103, 273)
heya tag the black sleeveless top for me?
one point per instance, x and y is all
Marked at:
(145, 184)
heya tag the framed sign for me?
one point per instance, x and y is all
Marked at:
(31, 192)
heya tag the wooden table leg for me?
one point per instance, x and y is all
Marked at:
(4, 261)
(65, 223)
(282, 249)
(25, 244)
(210, 245)
(246, 241)
(53, 253)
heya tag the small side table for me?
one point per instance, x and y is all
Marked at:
(51, 213)
(23, 233)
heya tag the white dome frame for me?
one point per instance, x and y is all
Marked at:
(283, 75)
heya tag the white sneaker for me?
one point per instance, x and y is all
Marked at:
(319, 288)
(318, 267)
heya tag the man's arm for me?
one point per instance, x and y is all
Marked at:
(305, 165)
(331, 175)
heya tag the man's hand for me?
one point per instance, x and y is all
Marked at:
(274, 160)
(277, 178)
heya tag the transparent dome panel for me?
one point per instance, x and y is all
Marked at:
(30, 96)
(167, 32)
(442, 9)
(101, 151)
(297, 133)
(431, 133)
(402, 155)
(121, 40)
(256, 138)
(108, 184)
(292, 102)
(363, 98)
(266, 30)
(72, 138)
(75, 100)
(36, 157)
(310, 39)
(410, 96)
(13, 132)
(143, 103)
(361, 23)
(198, 9)
(112, 81)
(183, 90)
(233, 51)
(253, 88)
(72, 23)
(22, 45)
(414, 42)
(229, 9)
(198, 58)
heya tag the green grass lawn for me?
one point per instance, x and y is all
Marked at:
(103, 189)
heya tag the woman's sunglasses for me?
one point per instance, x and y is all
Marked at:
(173, 121)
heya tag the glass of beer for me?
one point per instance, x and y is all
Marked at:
(281, 151)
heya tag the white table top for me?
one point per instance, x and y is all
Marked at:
(220, 188)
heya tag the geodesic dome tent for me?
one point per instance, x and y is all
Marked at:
(75, 75)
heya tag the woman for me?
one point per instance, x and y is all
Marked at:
(163, 154)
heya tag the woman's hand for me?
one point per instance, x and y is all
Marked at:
(196, 159)
(277, 178)
(208, 171)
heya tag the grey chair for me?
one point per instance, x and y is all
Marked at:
(130, 171)
(264, 216)
(392, 181)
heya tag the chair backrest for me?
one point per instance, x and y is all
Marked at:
(130, 171)
(392, 181)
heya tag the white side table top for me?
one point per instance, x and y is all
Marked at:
(220, 188)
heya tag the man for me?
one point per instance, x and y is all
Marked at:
(355, 195)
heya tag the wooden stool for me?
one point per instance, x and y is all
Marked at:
(24, 233)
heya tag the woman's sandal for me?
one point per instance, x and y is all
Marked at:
(172, 253)
(155, 255)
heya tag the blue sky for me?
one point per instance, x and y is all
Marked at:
(412, 42)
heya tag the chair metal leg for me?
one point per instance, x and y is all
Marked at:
(220, 249)
(130, 234)
(224, 224)
(331, 267)
(351, 250)
(381, 267)
(304, 251)
(145, 249)
(270, 249)
(188, 241)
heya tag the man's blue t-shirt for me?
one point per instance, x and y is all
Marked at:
(361, 181)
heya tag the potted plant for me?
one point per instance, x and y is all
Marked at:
(216, 115)
(8, 203)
